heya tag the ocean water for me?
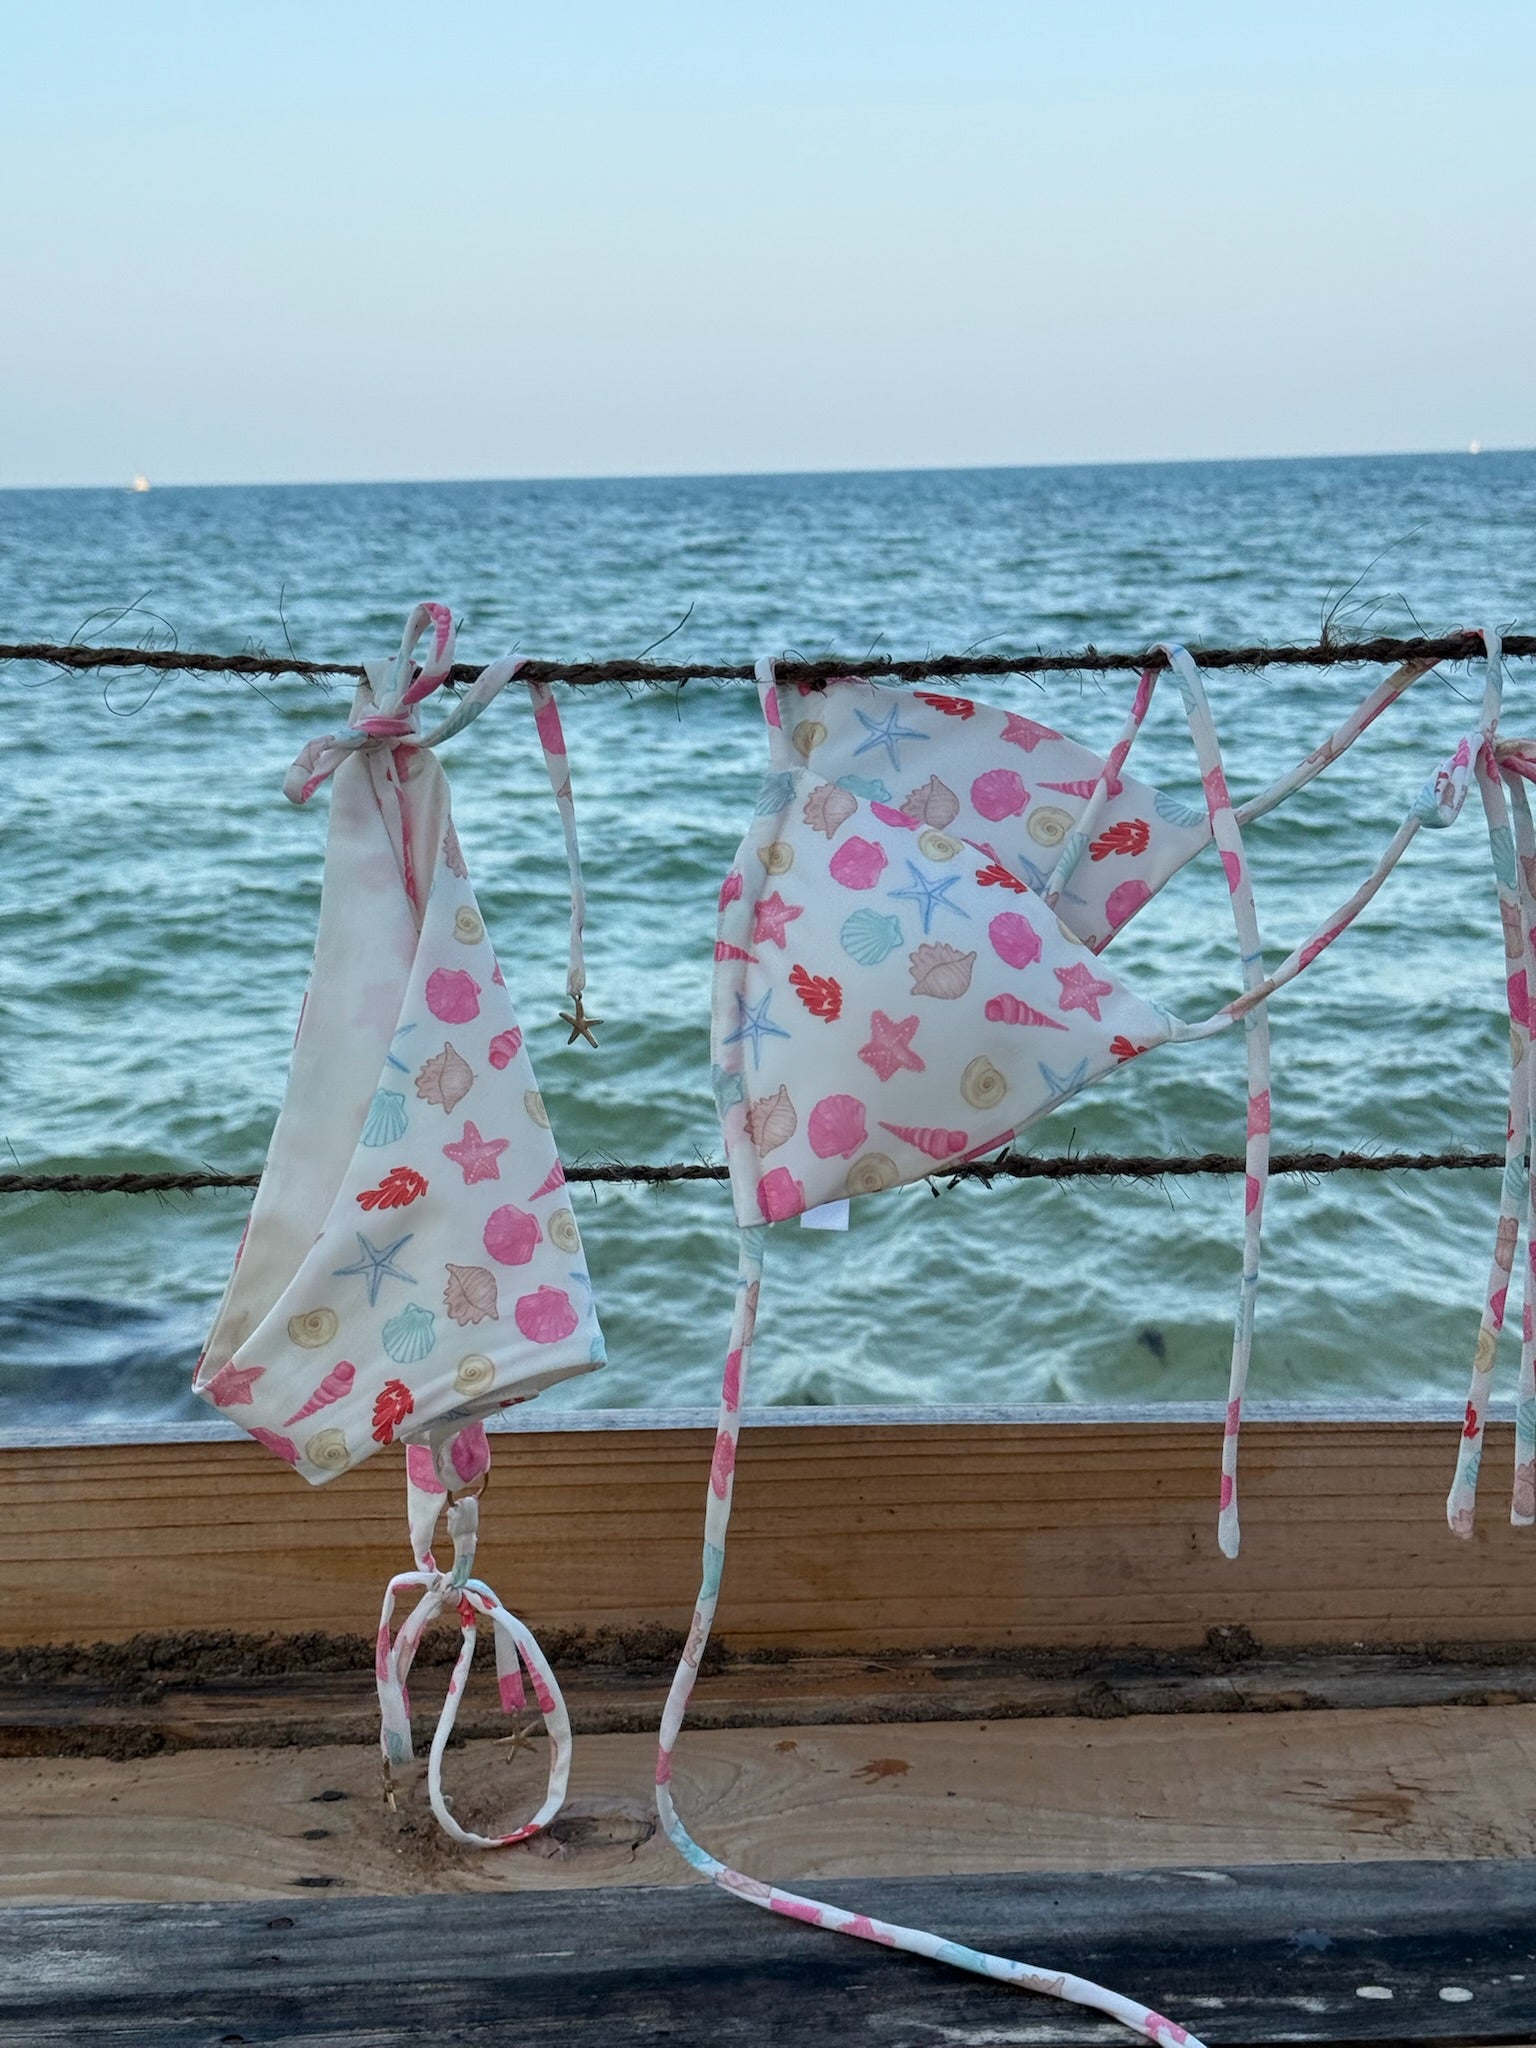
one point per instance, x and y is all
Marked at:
(158, 901)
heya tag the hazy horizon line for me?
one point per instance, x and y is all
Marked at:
(1474, 450)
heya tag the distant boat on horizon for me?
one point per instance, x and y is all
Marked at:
(140, 482)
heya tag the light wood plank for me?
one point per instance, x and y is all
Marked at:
(854, 1536)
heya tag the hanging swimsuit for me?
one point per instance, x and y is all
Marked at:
(411, 1264)
(903, 984)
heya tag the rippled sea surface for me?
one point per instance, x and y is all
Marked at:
(158, 901)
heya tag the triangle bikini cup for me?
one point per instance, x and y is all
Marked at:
(808, 1080)
(411, 1264)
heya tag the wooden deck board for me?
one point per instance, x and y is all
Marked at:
(807, 1803)
(857, 1536)
(1248, 1956)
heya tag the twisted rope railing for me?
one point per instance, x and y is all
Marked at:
(1007, 1166)
(1327, 653)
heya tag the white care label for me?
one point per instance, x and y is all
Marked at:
(830, 1216)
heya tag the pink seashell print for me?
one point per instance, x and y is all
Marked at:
(858, 863)
(1233, 869)
(827, 807)
(231, 1385)
(511, 1235)
(546, 1315)
(470, 1454)
(936, 1143)
(796, 1909)
(509, 1686)
(1014, 939)
(869, 1930)
(731, 888)
(1006, 1009)
(453, 995)
(1519, 999)
(888, 816)
(837, 1127)
(1083, 787)
(280, 1446)
(780, 1195)
(1215, 786)
(1258, 1113)
(336, 1384)
(722, 1465)
(730, 1386)
(1124, 900)
(555, 1178)
(771, 710)
(1000, 793)
(421, 1471)
(725, 951)
(505, 1047)
(547, 719)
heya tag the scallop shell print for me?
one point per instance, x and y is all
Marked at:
(837, 1127)
(511, 1235)
(999, 794)
(476, 1374)
(940, 970)
(546, 1316)
(870, 936)
(982, 1085)
(410, 1335)
(327, 1448)
(386, 1119)
(313, 1329)
(872, 1173)
(452, 995)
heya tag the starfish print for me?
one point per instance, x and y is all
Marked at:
(771, 917)
(582, 1026)
(479, 1157)
(378, 1265)
(231, 1385)
(1026, 732)
(890, 1046)
(888, 735)
(391, 1059)
(754, 1027)
(1063, 1084)
(1080, 990)
(927, 894)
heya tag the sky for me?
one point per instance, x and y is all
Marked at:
(336, 241)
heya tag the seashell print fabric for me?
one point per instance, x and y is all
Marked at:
(411, 1262)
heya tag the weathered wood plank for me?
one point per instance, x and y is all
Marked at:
(856, 1536)
(222, 1691)
(1248, 1956)
(795, 1804)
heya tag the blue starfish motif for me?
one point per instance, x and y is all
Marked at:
(927, 894)
(390, 1058)
(378, 1265)
(887, 735)
(1040, 881)
(754, 1027)
(1064, 1084)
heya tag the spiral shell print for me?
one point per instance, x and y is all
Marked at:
(327, 1449)
(778, 857)
(313, 1329)
(872, 1173)
(925, 1138)
(807, 737)
(937, 845)
(467, 927)
(476, 1375)
(563, 1232)
(1048, 824)
(982, 1086)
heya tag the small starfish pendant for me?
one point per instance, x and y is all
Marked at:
(523, 1736)
(582, 1026)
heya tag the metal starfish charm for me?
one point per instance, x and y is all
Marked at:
(582, 1026)
(523, 1736)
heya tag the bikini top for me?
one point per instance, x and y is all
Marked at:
(899, 989)
(411, 1263)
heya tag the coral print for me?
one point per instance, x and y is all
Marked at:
(820, 993)
(391, 1406)
(401, 1186)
